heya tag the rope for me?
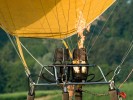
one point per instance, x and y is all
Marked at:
(102, 28)
(118, 68)
(58, 19)
(33, 7)
(126, 54)
(9, 37)
(126, 79)
(46, 78)
(102, 77)
(22, 56)
(89, 42)
(67, 47)
(68, 16)
(80, 18)
(35, 59)
(102, 73)
(46, 17)
(67, 21)
(10, 15)
(96, 94)
(26, 68)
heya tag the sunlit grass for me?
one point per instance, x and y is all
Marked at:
(57, 94)
(23, 95)
(102, 89)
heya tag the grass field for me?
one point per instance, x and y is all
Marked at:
(23, 95)
(56, 94)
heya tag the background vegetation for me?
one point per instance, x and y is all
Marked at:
(114, 40)
(56, 94)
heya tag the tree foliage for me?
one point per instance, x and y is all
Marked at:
(112, 43)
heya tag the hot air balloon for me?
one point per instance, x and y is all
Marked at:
(54, 19)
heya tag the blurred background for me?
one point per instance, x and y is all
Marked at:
(114, 38)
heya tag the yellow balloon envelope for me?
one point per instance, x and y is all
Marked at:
(48, 18)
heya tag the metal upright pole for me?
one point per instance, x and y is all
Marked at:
(78, 93)
(112, 91)
(113, 95)
(65, 94)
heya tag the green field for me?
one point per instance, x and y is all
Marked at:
(56, 94)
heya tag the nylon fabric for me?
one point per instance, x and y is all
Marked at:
(22, 56)
(48, 18)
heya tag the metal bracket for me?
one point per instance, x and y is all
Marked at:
(112, 85)
(102, 73)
